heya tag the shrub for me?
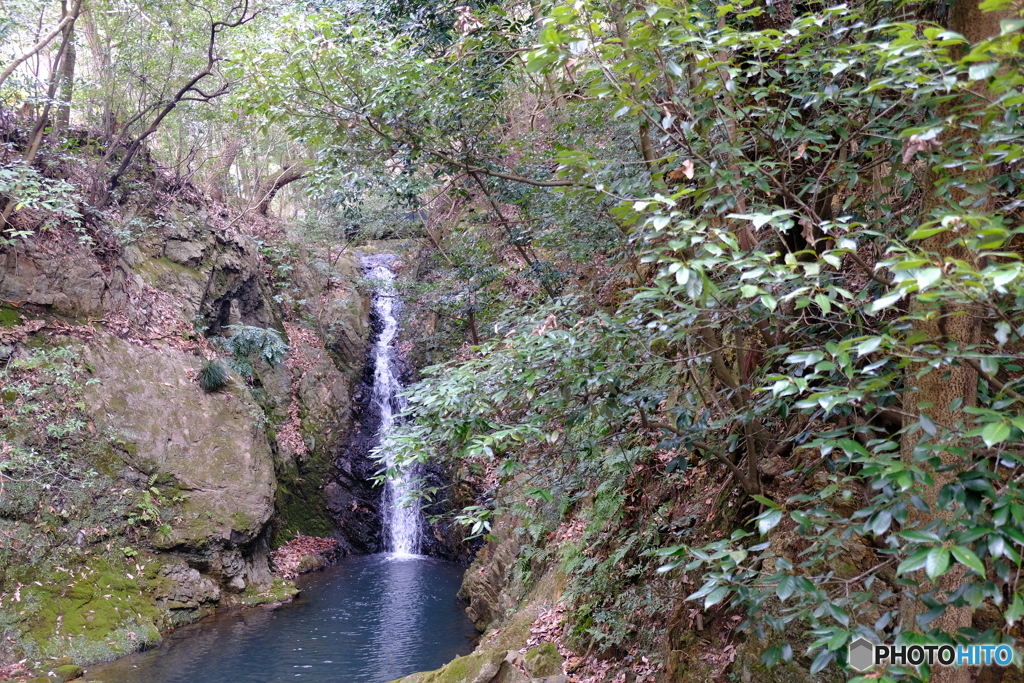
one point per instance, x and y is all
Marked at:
(248, 343)
(213, 376)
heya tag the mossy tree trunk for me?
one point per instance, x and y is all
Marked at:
(945, 393)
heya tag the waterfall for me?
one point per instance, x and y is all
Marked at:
(401, 519)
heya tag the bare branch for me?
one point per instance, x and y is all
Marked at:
(69, 18)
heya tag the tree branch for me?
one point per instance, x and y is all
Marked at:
(69, 18)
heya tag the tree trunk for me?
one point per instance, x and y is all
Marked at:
(776, 14)
(270, 187)
(221, 170)
(942, 385)
(67, 20)
(67, 82)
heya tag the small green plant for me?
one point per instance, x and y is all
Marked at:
(132, 230)
(31, 189)
(248, 343)
(213, 376)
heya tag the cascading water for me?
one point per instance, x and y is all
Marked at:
(401, 512)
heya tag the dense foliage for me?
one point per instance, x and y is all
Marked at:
(774, 242)
(817, 217)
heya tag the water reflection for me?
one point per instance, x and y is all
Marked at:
(366, 620)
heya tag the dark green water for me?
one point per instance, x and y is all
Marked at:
(368, 619)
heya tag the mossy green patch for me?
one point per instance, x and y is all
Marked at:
(544, 660)
(69, 672)
(244, 523)
(97, 612)
(279, 591)
(301, 508)
(9, 316)
(153, 269)
(479, 666)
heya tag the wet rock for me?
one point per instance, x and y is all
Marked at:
(339, 498)
(232, 563)
(485, 580)
(182, 587)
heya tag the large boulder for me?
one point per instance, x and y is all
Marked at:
(63, 276)
(211, 444)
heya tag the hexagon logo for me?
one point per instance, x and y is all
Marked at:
(861, 654)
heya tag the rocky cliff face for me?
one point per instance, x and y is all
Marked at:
(171, 495)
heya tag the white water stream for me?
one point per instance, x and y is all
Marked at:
(402, 521)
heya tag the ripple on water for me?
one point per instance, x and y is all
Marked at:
(368, 619)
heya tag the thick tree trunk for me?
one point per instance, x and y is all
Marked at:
(942, 385)
(219, 176)
(776, 14)
(270, 187)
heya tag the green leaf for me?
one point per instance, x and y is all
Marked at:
(967, 557)
(936, 563)
(786, 587)
(927, 425)
(914, 562)
(823, 659)
(715, 596)
(868, 346)
(1010, 25)
(767, 502)
(768, 521)
(925, 233)
(537, 492)
(838, 640)
(771, 656)
(1015, 611)
(881, 522)
(979, 72)
(995, 432)
(885, 301)
(926, 277)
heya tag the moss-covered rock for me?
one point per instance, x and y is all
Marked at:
(208, 443)
(543, 660)
(479, 667)
(277, 592)
(99, 612)
(69, 672)
(9, 316)
(207, 466)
